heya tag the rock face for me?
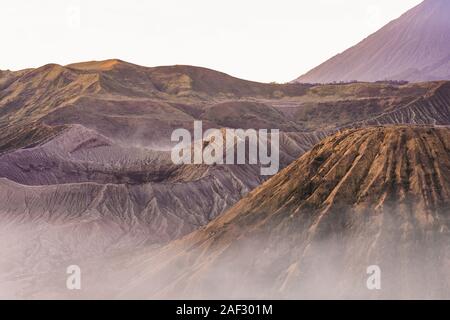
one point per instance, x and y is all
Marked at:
(377, 196)
(414, 47)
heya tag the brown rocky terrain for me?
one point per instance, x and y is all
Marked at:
(375, 196)
(85, 167)
(107, 125)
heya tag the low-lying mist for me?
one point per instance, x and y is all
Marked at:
(368, 263)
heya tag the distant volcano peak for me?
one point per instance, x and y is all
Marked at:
(415, 47)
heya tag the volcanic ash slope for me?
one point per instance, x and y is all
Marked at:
(376, 196)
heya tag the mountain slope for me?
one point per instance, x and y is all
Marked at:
(414, 47)
(85, 167)
(430, 109)
(377, 196)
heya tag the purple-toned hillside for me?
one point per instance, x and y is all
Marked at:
(414, 47)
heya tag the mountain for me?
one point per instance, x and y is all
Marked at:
(138, 105)
(85, 168)
(118, 99)
(362, 197)
(414, 47)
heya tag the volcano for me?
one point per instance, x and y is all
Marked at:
(414, 47)
(378, 196)
(85, 166)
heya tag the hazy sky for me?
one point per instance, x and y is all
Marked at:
(262, 40)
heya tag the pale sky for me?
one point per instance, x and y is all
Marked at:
(261, 40)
